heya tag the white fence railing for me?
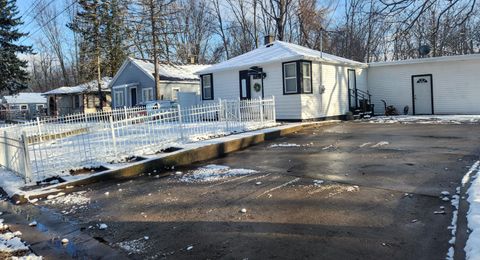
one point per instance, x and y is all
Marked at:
(55, 146)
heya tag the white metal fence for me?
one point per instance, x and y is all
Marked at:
(54, 146)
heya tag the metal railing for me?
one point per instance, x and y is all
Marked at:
(56, 146)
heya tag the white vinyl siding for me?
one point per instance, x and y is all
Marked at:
(290, 77)
(456, 86)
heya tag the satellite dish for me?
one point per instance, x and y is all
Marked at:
(424, 50)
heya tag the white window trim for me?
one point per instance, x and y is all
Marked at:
(175, 97)
(207, 87)
(122, 94)
(285, 78)
(144, 90)
(309, 77)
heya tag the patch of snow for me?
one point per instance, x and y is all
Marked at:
(102, 226)
(214, 172)
(472, 247)
(133, 246)
(284, 145)
(27, 257)
(433, 119)
(12, 245)
(466, 177)
(33, 223)
(318, 182)
(76, 200)
(243, 210)
(365, 144)
(353, 188)
(380, 144)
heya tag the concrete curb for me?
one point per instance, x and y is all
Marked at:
(179, 158)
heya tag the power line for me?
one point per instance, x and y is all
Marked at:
(38, 13)
(30, 9)
(49, 21)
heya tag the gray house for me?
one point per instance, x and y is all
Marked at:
(83, 98)
(134, 82)
(22, 106)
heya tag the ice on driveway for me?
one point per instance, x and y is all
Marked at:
(284, 145)
(214, 172)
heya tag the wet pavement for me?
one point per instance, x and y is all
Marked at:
(381, 188)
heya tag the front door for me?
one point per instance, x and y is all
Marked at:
(245, 91)
(133, 97)
(422, 93)
(256, 87)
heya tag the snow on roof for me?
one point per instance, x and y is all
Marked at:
(170, 71)
(427, 60)
(277, 51)
(91, 86)
(25, 98)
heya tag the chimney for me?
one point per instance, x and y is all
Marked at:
(269, 39)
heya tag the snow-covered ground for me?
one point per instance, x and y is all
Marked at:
(430, 119)
(12, 246)
(472, 247)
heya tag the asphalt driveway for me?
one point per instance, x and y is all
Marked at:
(345, 191)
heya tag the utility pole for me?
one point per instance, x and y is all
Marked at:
(97, 52)
(154, 45)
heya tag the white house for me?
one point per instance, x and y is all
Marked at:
(440, 85)
(134, 82)
(307, 84)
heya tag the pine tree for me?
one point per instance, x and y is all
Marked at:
(13, 76)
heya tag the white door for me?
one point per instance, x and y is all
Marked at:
(422, 95)
(256, 88)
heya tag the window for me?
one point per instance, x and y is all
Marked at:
(297, 77)
(207, 87)
(40, 107)
(175, 93)
(147, 94)
(119, 99)
(290, 77)
(76, 101)
(23, 107)
(306, 77)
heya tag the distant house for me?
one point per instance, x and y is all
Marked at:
(83, 98)
(134, 82)
(307, 84)
(22, 106)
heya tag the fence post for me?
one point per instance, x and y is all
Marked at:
(86, 118)
(180, 122)
(274, 112)
(114, 139)
(225, 109)
(27, 170)
(39, 130)
(239, 111)
(125, 112)
(261, 111)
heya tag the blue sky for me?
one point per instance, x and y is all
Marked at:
(26, 11)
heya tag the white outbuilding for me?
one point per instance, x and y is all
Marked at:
(440, 85)
(307, 84)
